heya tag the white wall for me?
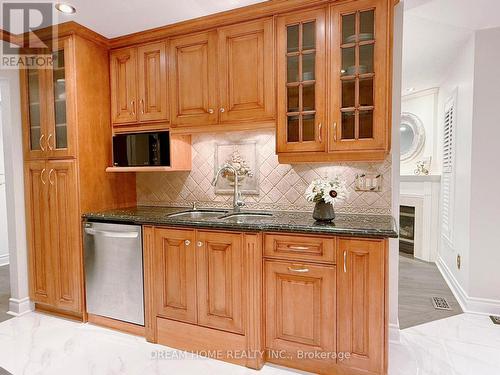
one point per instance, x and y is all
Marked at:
(460, 78)
(485, 176)
(424, 104)
(4, 244)
(19, 302)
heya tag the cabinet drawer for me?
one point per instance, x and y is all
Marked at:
(300, 247)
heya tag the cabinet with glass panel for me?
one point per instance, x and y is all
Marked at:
(354, 122)
(49, 113)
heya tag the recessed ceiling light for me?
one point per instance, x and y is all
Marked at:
(65, 8)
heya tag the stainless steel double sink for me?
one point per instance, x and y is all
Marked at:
(221, 215)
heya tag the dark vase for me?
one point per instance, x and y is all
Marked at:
(323, 211)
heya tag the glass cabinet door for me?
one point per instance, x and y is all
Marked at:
(358, 71)
(301, 46)
(36, 135)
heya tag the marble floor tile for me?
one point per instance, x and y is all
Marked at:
(43, 345)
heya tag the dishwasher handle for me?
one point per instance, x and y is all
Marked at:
(111, 234)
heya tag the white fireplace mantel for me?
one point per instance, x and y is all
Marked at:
(422, 192)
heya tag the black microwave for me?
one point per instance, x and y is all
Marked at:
(141, 149)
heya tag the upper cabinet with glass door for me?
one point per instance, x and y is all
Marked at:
(301, 42)
(48, 101)
(359, 78)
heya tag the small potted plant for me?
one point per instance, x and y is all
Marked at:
(325, 193)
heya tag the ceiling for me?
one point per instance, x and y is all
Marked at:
(113, 18)
(435, 30)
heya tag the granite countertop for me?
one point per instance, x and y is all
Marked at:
(280, 221)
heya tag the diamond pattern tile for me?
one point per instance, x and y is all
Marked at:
(281, 186)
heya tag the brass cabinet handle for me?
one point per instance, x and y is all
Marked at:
(48, 142)
(345, 261)
(320, 138)
(41, 176)
(132, 104)
(335, 132)
(211, 111)
(222, 110)
(142, 105)
(41, 142)
(199, 244)
(50, 179)
(299, 270)
(187, 242)
(292, 247)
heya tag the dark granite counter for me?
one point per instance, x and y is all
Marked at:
(280, 221)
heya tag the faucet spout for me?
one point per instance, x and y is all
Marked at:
(237, 201)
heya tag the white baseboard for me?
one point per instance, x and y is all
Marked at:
(18, 307)
(394, 333)
(468, 304)
(4, 260)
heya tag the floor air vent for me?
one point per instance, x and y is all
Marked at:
(495, 319)
(440, 303)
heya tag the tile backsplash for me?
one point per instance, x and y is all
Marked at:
(281, 186)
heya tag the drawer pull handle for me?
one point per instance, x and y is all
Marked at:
(300, 270)
(298, 247)
(345, 261)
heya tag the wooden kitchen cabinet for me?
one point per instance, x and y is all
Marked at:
(49, 106)
(301, 59)
(69, 101)
(220, 278)
(300, 313)
(139, 84)
(53, 233)
(193, 79)
(361, 301)
(246, 74)
(175, 274)
(354, 123)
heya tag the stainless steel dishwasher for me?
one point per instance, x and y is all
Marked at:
(114, 282)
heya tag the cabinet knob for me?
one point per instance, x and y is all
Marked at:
(210, 110)
(199, 244)
(187, 242)
(222, 110)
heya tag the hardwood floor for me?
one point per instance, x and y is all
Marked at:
(4, 294)
(419, 281)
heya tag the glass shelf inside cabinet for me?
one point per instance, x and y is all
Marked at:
(59, 84)
(301, 82)
(34, 109)
(357, 73)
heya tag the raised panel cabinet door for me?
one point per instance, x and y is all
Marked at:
(361, 304)
(220, 281)
(61, 101)
(37, 212)
(152, 82)
(123, 85)
(301, 69)
(246, 72)
(65, 243)
(360, 74)
(193, 79)
(175, 269)
(300, 312)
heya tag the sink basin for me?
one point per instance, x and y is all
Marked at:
(247, 217)
(198, 214)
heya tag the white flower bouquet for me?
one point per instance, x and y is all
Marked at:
(327, 190)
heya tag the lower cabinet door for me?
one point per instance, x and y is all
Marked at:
(37, 209)
(220, 281)
(65, 234)
(361, 312)
(300, 314)
(175, 274)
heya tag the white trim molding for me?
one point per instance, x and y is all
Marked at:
(18, 307)
(468, 304)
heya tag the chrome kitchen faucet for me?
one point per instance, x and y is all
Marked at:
(237, 201)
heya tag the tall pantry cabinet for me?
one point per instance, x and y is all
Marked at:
(66, 132)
